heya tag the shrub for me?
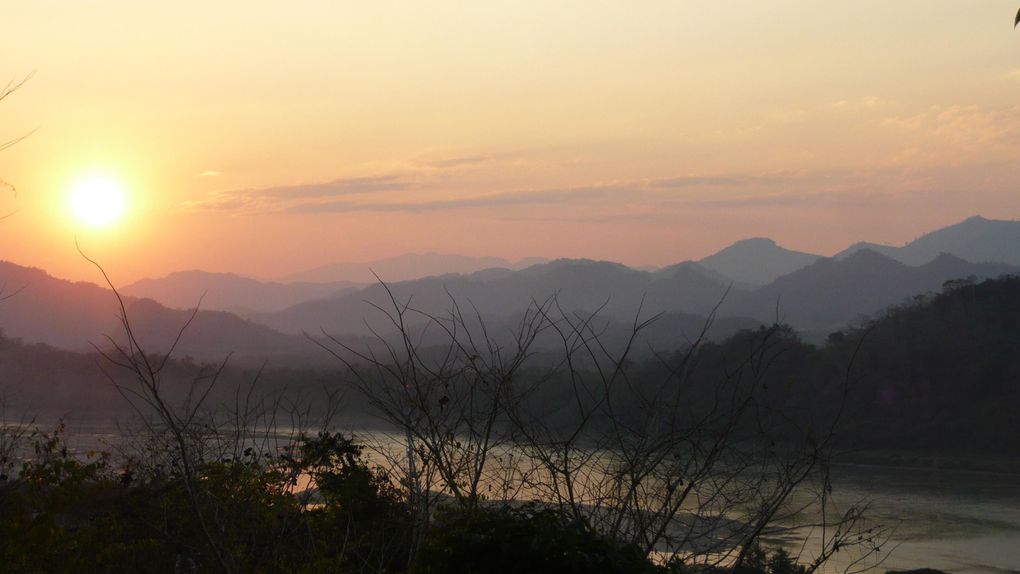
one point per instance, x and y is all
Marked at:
(526, 539)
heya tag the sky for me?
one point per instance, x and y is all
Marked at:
(265, 138)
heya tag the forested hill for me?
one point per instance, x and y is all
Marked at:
(942, 371)
(937, 374)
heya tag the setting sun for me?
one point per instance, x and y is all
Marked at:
(97, 201)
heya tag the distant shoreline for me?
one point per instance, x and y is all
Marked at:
(943, 461)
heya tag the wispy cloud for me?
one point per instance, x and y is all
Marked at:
(283, 197)
(695, 181)
(636, 199)
(336, 187)
(208, 173)
(530, 197)
(459, 161)
(816, 199)
(860, 104)
(728, 181)
(953, 134)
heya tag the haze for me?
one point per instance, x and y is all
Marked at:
(270, 138)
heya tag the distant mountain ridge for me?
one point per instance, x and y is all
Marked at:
(757, 261)
(230, 292)
(818, 294)
(974, 239)
(833, 292)
(406, 267)
(579, 284)
(826, 294)
(78, 315)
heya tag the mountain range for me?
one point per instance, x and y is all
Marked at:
(406, 267)
(974, 239)
(80, 316)
(757, 261)
(751, 282)
(747, 264)
(579, 285)
(230, 292)
(833, 292)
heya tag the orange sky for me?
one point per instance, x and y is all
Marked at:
(269, 137)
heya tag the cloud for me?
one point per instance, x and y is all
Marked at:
(952, 134)
(859, 104)
(637, 199)
(281, 198)
(828, 198)
(709, 181)
(532, 197)
(208, 173)
(343, 186)
(670, 210)
(696, 181)
(459, 161)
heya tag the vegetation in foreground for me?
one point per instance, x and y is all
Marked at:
(201, 494)
(66, 514)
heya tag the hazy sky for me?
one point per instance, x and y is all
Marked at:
(269, 137)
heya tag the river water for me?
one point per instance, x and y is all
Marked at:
(952, 520)
(964, 522)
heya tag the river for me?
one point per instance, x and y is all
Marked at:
(959, 521)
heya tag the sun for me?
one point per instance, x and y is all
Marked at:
(97, 201)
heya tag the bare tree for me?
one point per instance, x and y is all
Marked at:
(183, 437)
(690, 471)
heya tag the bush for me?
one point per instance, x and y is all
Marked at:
(65, 514)
(522, 540)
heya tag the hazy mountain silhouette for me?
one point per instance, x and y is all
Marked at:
(406, 267)
(887, 250)
(825, 294)
(76, 386)
(211, 336)
(76, 315)
(975, 239)
(230, 292)
(581, 285)
(62, 313)
(670, 270)
(45, 380)
(832, 292)
(757, 261)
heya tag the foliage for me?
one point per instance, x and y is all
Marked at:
(689, 458)
(68, 513)
(523, 539)
(62, 513)
(939, 372)
(935, 374)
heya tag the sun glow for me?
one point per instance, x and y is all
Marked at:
(97, 201)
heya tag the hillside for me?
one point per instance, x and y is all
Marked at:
(757, 261)
(935, 375)
(77, 315)
(834, 292)
(975, 239)
(942, 371)
(45, 309)
(230, 292)
(44, 381)
(581, 285)
(405, 268)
